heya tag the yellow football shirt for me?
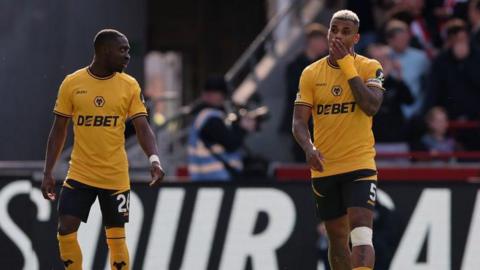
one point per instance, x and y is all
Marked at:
(342, 131)
(99, 108)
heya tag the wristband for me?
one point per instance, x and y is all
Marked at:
(347, 66)
(154, 158)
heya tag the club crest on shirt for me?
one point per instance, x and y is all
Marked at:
(337, 90)
(99, 101)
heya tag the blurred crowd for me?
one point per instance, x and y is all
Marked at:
(430, 53)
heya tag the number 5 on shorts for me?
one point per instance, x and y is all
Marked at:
(373, 192)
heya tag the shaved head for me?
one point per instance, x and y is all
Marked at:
(111, 50)
(105, 37)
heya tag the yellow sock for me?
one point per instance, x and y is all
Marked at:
(362, 268)
(119, 259)
(70, 252)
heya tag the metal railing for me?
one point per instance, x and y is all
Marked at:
(263, 44)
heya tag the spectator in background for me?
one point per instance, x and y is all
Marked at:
(316, 47)
(414, 64)
(454, 82)
(450, 29)
(444, 10)
(389, 124)
(474, 18)
(213, 144)
(438, 12)
(436, 140)
(420, 22)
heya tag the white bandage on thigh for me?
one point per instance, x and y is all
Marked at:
(361, 236)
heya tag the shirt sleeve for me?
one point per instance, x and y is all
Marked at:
(137, 104)
(63, 104)
(305, 89)
(374, 76)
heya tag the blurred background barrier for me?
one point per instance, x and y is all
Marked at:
(418, 225)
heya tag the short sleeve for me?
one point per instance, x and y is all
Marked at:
(137, 104)
(374, 76)
(63, 104)
(305, 89)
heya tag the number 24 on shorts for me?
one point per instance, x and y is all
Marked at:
(124, 204)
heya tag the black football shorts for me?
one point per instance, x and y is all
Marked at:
(77, 198)
(334, 194)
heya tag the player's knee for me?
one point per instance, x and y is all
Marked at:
(361, 236)
(337, 229)
(67, 225)
(338, 237)
(64, 229)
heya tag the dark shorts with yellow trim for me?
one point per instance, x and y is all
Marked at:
(76, 199)
(334, 194)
